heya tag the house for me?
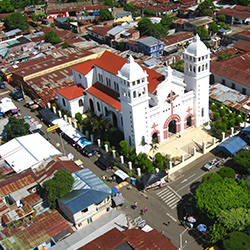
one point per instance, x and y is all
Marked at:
(123, 17)
(130, 239)
(87, 201)
(22, 152)
(99, 33)
(237, 14)
(129, 95)
(150, 46)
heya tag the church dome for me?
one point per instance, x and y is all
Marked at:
(132, 70)
(197, 47)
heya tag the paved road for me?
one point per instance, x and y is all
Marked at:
(162, 203)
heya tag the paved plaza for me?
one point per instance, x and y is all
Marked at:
(177, 145)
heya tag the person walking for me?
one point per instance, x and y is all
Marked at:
(135, 205)
(145, 209)
(168, 223)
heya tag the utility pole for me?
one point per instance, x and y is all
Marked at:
(181, 247)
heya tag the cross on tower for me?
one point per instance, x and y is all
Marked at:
(154, 126)
(171, 99)
(189, 109)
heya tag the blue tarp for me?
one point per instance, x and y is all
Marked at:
(246, 130)
(232, 145)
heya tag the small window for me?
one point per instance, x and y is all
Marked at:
(202, 112)
(199, 69)
(233, 85)
(80, 76)
(134, 94)
(244, 91)
(223, 82)
(80, 102)
(85, 210)
(64, 103)
(98, 106)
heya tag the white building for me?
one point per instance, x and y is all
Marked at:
(143, 103)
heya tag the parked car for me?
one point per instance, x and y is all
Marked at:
(90, 150)
(2, 85)
(212, 163)
(17, 95)
(105, 162)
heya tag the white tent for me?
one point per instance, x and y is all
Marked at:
(27, 151)
(6, 105)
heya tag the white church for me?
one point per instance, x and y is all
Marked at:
(140, 102)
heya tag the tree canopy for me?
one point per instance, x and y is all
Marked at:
(52, 37)
(16, 127)
(205, 8)
(211, 177)
(213, 27)
(213, 197)
(235, 241)
(227, 172)
(202, 32)
(105, 15)
(242, 159)
(58, 186)
(6, 6)
(157, 30)
(16, 21)
(240, 2)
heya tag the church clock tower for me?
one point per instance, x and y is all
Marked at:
(196, 75)
(135, 105)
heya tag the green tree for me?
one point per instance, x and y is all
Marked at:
(132, 154)
(205, 8)
(130, 7)
(235, 241)
(141, 159)
(105, 15)
(211, 177)
(58, 186)
(240, 2)
(235, 219)
(211, 198)
(213, 27)
(144, 26)
(124, 148)
(53, 25)
(52, 37)
(158, 161)
(16, 127)
(216, 116)
(231, 123)
(16, 21)
(216, 232)
(238, 120)
(180, 65)
(78, 117)
(202, 32)
(6, 7)
(65, 45)
(226, 172)
(242, 159)
(148, 166)
(166, 20)
(221, 18)
(213, 107)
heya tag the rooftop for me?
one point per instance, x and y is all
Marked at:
(72, 92)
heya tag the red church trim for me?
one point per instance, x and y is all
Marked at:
(178, 124)
(185, 120)
(158, 135)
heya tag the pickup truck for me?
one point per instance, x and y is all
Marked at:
(212, 163)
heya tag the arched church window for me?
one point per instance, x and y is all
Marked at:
(133, 83)
(106, 111)
(187, 66)
(203, 58)
(199, 69)
(129, 94)
(194, 69)
(98, 106)
(121, 121)
(206, 66)
(199, 59)
(143, 92)
(190, 67)
(202, 112)
(129, 141)
(80, 103)
(194, 59)
(134, 94)
(64, 103)
(138, 81)
(203, 67)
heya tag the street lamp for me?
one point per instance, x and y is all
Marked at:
(63, 149)
(181, 247)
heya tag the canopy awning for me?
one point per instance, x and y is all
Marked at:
(149, 179)
(246, 130)
(232, 145)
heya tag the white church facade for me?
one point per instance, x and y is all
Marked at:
(140, 102)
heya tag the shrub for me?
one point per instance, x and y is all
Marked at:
(213, 107)
(235, 241)
(227, 172)
(211, 177)
(216, 116)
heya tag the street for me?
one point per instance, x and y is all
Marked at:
(163, 203)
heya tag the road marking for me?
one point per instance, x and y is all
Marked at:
(167, 195)
(6, 92)
(190, 182)
(174, 191)
(162, 191)
(172, 217)
(164, 194)
(188, 178)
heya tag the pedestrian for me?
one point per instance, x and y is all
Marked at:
(145, 209)
(168, 223)
(135, 205)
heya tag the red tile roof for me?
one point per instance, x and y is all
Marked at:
(136, 238)
(106, 95)
(85, 67)
(31, 199)
(242, 45)
(236, 12)
(177, 38)
(72, 92)
(112, 63)
(101, 30)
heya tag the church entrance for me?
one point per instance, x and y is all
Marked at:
(114, 119)
(172, 127)
(91, 105)
(189, 121)
(155, 138)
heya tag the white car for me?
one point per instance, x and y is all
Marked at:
(212, 164)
